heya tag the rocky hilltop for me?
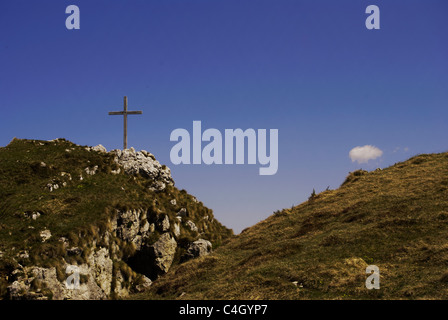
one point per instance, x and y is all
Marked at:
(115, 218)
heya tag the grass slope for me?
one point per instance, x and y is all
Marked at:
(396, 218)
(80, 210)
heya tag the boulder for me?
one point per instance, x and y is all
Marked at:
(128, 224)
(197, 248)
(45, 235)
(99, 148)
(182, 212)
(144, 284)
(164, 250)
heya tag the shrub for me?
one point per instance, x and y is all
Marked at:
(313, 195)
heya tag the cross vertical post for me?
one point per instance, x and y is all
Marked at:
(125, 113)
(125, 124)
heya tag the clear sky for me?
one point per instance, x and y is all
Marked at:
(309, 68)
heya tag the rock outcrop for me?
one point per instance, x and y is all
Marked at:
(154, 255)
(144, 164)
(119, 241)
(38, 283)
(101, 276)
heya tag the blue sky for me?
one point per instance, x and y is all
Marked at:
(309, 68)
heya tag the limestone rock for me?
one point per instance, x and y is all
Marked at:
(157, 186)
(52, 186)
(118, 171)
(144, 227)
(120, 289)
(182, 212)
(23, 255)
(102, 265)
(164, 250)
(164, 225)
(56, 290)
(99, 148)
(132, 226)
(191, 225)
(66, 174)
(16, 289)
(145, 164)
(198, 248)
(145, 284)
(45, 235)
(33, 215)
(97, 285)
(92, 171)
(127, 224)
(176, 229)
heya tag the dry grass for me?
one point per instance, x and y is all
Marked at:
(396, 218)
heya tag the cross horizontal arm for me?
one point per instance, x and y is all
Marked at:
(120, 113)
(134, 112)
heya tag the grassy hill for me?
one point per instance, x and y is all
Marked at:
(80, 210)
(396, 219)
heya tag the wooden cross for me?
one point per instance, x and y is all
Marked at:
(125, 113)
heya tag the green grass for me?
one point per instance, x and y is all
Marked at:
(396, 218)
(80, 210)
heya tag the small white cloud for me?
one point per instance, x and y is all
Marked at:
(364, 154)
(405, 149)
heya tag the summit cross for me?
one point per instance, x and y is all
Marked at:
(125, 113)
